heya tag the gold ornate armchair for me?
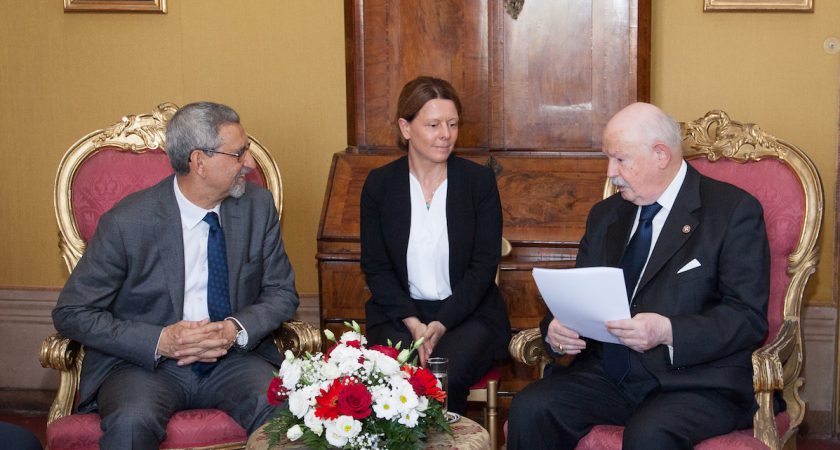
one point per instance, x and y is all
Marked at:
(786, 182)
(95, 173)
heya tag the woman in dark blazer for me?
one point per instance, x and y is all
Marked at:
(431, 230)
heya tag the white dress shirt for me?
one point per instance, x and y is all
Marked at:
(427, 258)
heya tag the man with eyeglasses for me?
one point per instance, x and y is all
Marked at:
(179, 290)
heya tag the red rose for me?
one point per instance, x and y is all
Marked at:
(389, 351)
(354, 400)
(277, 393)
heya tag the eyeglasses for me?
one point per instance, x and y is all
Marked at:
(237, 155)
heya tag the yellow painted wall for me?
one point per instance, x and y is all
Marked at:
(765, 68)
(279, 63)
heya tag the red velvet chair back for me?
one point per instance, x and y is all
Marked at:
(780, 193)
(111, 173)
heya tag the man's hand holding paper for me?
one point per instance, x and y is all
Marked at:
(583, 300)
(643, 332)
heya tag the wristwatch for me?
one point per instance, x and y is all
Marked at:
(239, 340)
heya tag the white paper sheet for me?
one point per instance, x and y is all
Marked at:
(583, 299)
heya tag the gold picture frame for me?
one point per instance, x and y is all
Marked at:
(146, 6)
(759, 5)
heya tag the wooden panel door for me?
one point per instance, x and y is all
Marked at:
(545, 81)
(563, 68)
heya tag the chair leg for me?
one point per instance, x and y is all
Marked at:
(492, 413)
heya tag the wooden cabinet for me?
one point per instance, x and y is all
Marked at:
(536, 91)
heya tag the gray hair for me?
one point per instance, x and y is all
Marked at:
(664, 128)
(195, 127)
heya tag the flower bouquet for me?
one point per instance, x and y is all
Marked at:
(356, 397)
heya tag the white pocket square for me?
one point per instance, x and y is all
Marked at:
(693, 264)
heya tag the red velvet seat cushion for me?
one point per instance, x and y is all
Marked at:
(607, 437)
(186, 429)
(492, 374)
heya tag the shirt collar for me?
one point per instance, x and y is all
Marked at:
(191, 214)
(668, 197)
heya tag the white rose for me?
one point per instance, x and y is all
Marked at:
(294, 433)
(291, 372)
(299, 403)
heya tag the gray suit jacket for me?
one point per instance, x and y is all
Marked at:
(129, 283)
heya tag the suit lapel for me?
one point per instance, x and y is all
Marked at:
(171, 243)
(678, 228)
(457, 204)
(401, 202)
(234, 228)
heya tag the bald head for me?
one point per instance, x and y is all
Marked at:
(643, 145)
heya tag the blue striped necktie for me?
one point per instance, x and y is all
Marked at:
(218, 297)
(615, 357)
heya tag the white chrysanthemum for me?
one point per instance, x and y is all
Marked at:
(290, 371)
(352, 336)
(409, 418)
(406, 398)
(382, 362)
(340, 430)
(299, 402)
(379, 391)
(385, 407)
(294, 433)
(315, 424)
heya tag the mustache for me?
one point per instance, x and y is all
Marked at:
(618, 182)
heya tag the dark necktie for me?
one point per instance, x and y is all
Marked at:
(218, 302)
(615, 357)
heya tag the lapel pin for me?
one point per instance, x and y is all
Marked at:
(686, 229)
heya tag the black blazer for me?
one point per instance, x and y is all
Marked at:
(718, 310)
(474, 224)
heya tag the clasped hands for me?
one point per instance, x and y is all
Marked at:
(640, 333)
(431, 334)
(196, 341)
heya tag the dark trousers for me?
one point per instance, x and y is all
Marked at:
(136, 404)
(558, 410)
(14, 437)
(467, 346)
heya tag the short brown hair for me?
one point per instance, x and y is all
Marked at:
(415, 94)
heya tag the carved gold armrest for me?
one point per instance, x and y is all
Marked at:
(299, 337)
(527, 347)
(65, 355)
(776, 367)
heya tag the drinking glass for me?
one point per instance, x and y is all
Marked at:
(439, 368)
